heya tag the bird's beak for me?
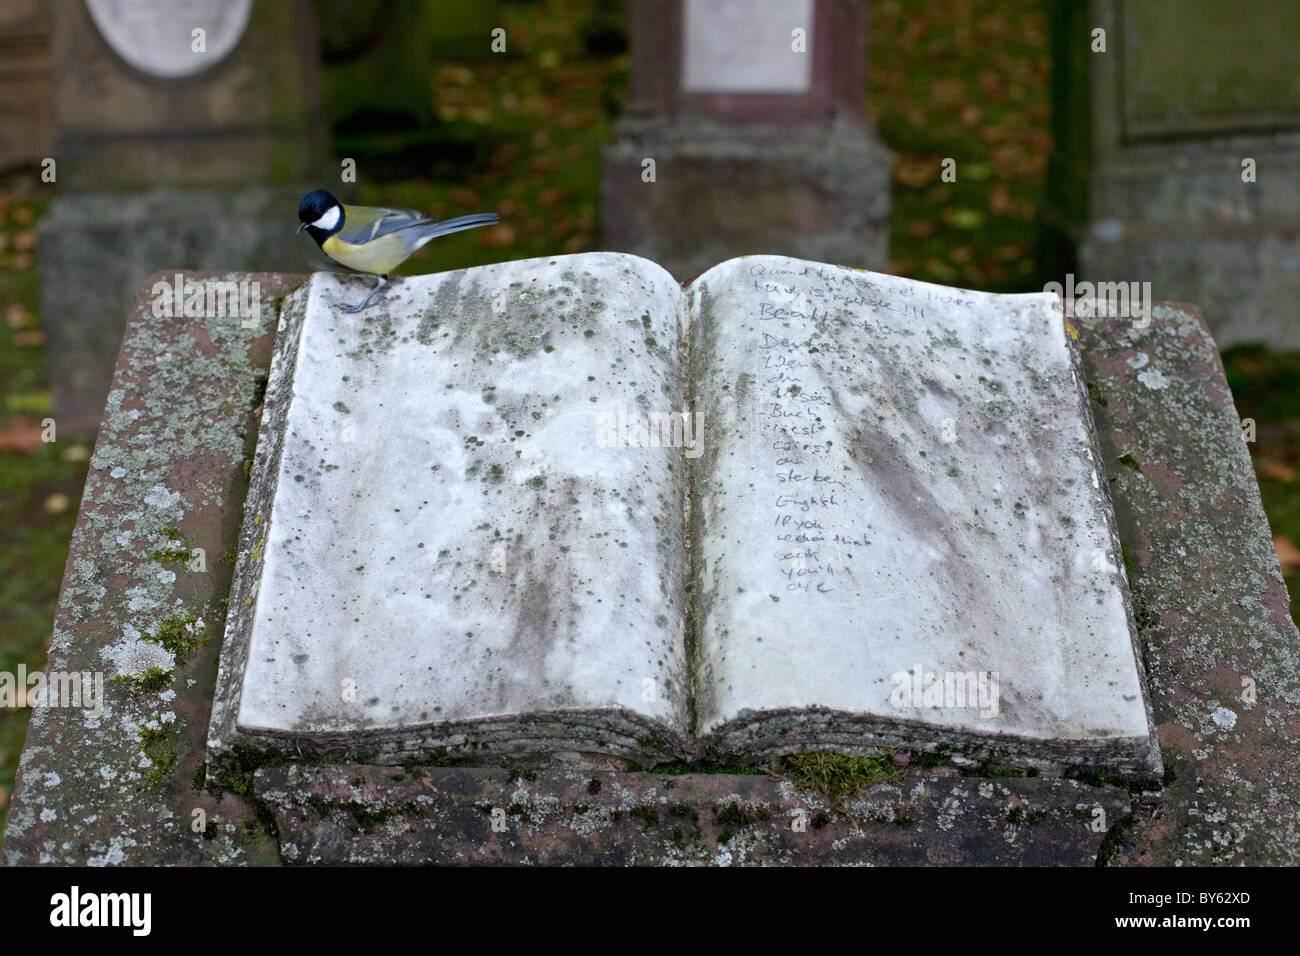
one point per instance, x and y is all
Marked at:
(301, 227)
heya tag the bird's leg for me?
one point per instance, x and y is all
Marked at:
(383, 281)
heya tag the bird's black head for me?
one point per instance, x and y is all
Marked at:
(320, 214)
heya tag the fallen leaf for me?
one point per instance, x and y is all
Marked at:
(1278, 471)
(911, 172)
(77, 452)
(495, 236)
(22, 215)
(949, 90)
(25, 241)
(1000, 201)
(21, 435)
(30, 339)
(21, 260)
(57, 503)
(15, 315)
(463, 196)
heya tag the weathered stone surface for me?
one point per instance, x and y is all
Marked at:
(899, 480)
(358, 814)
(439, 551)
(1222, 652)
(180, 419)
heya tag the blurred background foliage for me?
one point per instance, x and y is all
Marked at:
(437, 122)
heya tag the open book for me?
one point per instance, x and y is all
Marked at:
(563, 506)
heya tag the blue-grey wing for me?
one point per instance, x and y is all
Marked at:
(363, 224)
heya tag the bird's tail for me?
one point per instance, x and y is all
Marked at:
(460, 223)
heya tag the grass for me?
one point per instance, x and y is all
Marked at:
(837, 775)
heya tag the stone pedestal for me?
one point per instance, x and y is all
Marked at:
(734, 142)
(1177, 156)
(121, 785)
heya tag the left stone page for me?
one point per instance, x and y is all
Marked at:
(449, 546)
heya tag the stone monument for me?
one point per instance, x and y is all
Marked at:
(187, 133)
(141, 608)
(1177, 156)
(745, 132)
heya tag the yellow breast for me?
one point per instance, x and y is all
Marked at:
(377, 257)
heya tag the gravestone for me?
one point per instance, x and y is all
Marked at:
(187, 134)
(745, 132)
(1177, 156)
(138, 779)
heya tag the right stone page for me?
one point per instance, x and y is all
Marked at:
(900, 531)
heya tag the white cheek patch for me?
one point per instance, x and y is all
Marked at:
(329, 220)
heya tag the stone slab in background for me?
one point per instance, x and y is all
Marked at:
(749, 156)
(1145, 183)
(251, 116)
(204, 171)
(723, 191)
(26, 87)
(171, 451)
(96, 248)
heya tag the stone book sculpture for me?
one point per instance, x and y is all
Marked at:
(564, 507)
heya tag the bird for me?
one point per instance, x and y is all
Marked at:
(374, 239)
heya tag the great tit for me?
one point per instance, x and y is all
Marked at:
(373, 239)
